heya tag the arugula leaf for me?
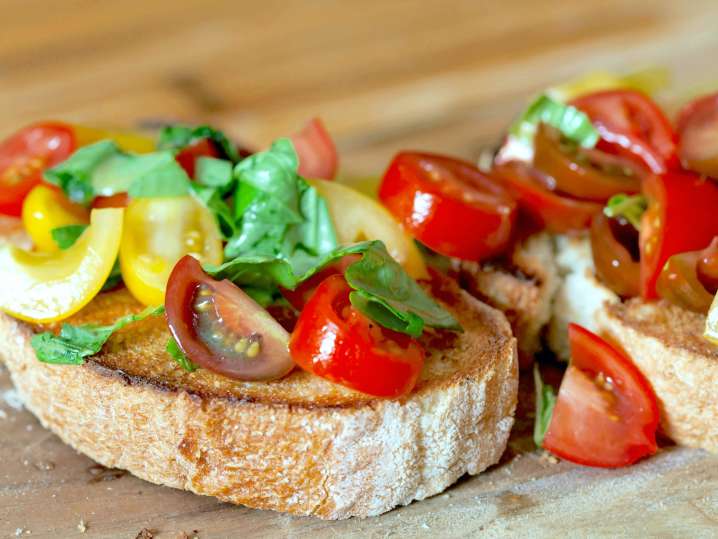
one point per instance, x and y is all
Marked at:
(630, 207)
(545, 402)
(214, 173)
(178, 137)
(178, 355)
(66, 236)
(574, 126)
(75, 343)
(103, 169)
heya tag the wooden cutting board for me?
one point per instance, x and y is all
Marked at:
(442, 76)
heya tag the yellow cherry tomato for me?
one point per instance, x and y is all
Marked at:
(358, 217)
(46, 208)
(130, 141)
(47, 287)
(157, 233)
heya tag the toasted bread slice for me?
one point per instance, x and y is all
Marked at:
(300, 444)
(522, 288)
(666, 343)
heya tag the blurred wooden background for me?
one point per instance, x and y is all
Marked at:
(385, 75)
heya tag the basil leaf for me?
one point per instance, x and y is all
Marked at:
(214, 173)
(114, 278)
(74, 343)
(74, 175)
(545, 402)
(630, 207)
(157, 175)
(211, 197)
(179, 357)
(178, 137)
(66, 236)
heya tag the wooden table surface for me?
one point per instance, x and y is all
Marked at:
(444, 76)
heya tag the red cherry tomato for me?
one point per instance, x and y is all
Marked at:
(335, 341)
(299, 297)
(221, 328)
(449, 205)
(698, 135)
(120, 200)
(25, 155)
(541, 207)
(631, 125)
(316, 151)
(606, 413)
(614, 246)
(681, 216)
(188, 156)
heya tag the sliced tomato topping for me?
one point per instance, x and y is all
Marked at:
(681, 217)
(690, 280)
(188, 156)
(221, 328)
(449, 205)
(540, 207)
(25, 155)
(633, 126)
(335, 341)
(316, 151)
(698, 135)
(585, 174)
(614, 246)
(606, 412)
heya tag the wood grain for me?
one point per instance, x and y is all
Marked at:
(445, 76)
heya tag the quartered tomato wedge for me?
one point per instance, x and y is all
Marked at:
(541, 207)
(47, 287)
(157, 233)
(25, 155)
(633, 126)
(449, 205)
(335, 341)
(681, 216)
(614, 246)
(47, 208)
(316, 151)
(221, 328)
(606, 412)
(698, 135)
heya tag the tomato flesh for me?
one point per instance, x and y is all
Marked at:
(221, 328)
(697, 128)
(633, 126)
(335, 341)
(606, 413)
(449, 205)
(681, 217)
(315, 149)
(25, 155)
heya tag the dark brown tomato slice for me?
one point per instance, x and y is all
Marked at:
(222, 329)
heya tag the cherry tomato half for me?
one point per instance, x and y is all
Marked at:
(606, 412)
(542, 207)
(316, 151)
(616, 264)
(25, 155)
(449, 205)
(697, 128)
(631, 125)
(221, 328)
(335, 341)
(681, 217)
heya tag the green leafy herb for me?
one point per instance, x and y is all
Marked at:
(66, 236)
(545, 402)
(630, 207)
(178, 137)
(103, 169)
(214, 173)
(574, 126)
(211, 197)
(382, 289)
(75, 343)
(178, 355)
(114, 278)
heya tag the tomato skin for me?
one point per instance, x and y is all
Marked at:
(631, 125)
(25, 155)
(697, 128)
(449, 205)
(335, 341)
(681, 217)
(187, 157)
(45, 208)
(541, 207)
(615, 267)
(316, 151)
(606, 413)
